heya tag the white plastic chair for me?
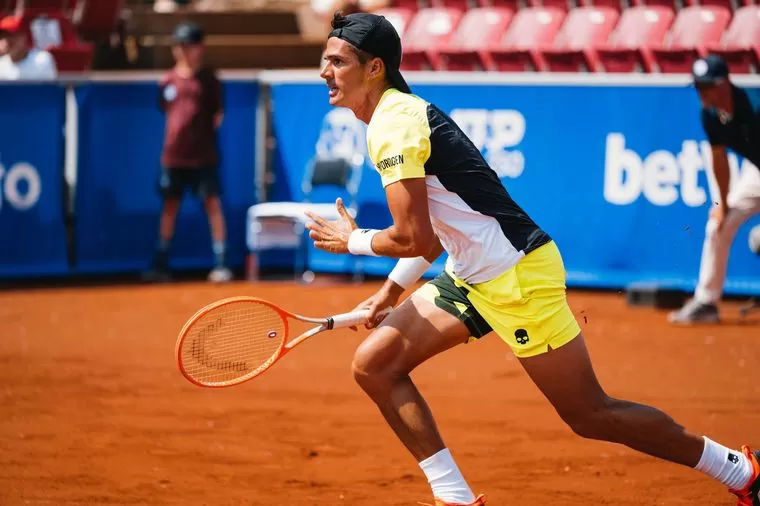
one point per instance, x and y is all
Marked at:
(282, 225)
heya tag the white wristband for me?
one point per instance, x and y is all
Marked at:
(408, 271)
(360, 241)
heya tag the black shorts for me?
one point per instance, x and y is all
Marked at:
(202, 182)
(445, 294)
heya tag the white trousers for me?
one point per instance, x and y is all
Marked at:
(743, 203)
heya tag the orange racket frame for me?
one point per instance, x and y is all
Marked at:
(323, 324)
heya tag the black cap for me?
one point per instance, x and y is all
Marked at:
(188, 33)
(709, 70)
(375, 35)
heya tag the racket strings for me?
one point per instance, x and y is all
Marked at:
(232, 341)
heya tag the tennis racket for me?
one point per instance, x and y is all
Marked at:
(236, 339)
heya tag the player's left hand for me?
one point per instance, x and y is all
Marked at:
(331, 236)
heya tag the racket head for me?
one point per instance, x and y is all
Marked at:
(231, 341)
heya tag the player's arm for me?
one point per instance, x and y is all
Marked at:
(406, 272)
(399, 147)
(720, 166)
(722, 173)
(218, 101)
(411, 234)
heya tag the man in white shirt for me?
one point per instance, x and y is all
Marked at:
(22, 62)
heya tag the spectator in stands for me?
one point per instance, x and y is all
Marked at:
(191, 97)
(21, 61)
(731, 120)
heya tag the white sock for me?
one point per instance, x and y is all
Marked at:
(730, 467)
(445, 479)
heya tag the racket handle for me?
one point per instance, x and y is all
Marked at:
(340, 321)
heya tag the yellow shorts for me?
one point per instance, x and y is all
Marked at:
(526, 306)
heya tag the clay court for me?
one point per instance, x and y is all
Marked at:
(94, 410)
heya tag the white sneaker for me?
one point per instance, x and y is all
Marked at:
(695, 312)
(220, 275)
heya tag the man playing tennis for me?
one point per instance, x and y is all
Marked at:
(503, 274)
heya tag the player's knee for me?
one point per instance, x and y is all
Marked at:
(373, 364)
(593, 422)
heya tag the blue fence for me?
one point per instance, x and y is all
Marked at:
(116, 209)
(117, 205)
(32, 230)
(616, 174)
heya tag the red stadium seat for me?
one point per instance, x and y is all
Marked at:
(740, 45)
(531, 29)
(55, 33)
(462, 5)
(728, 4)
(412, 5)
(427, 34)
(479, 30)
(72, 58)
(97, 18)
(509, 4)
(694, 29)
(399, 18)
(584, 29)
(672, 4)
(41, 5)
(628, 48)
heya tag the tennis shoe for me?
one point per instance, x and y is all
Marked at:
(750, 496)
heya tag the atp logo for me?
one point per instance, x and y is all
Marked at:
(20, 186)
(497, 134)
(342, 136)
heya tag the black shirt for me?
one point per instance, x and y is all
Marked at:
(741, 133)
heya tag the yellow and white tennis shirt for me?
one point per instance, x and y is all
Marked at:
(482, 229)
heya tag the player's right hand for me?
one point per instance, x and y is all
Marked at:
(385, 298)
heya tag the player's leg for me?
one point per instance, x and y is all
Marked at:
(528, 308)
(414, 332)
(744, 202)
(208, 189)
(566, 377)
(172, 184)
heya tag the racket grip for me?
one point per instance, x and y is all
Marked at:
(350, 319)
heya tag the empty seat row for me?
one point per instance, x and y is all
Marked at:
(595, 39)
(567, 5)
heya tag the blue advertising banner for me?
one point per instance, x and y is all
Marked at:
(32, 230)
(618, 175)
(117, 202)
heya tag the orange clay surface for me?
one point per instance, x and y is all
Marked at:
(95, 412)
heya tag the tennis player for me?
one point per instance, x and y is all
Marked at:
(504, 274)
